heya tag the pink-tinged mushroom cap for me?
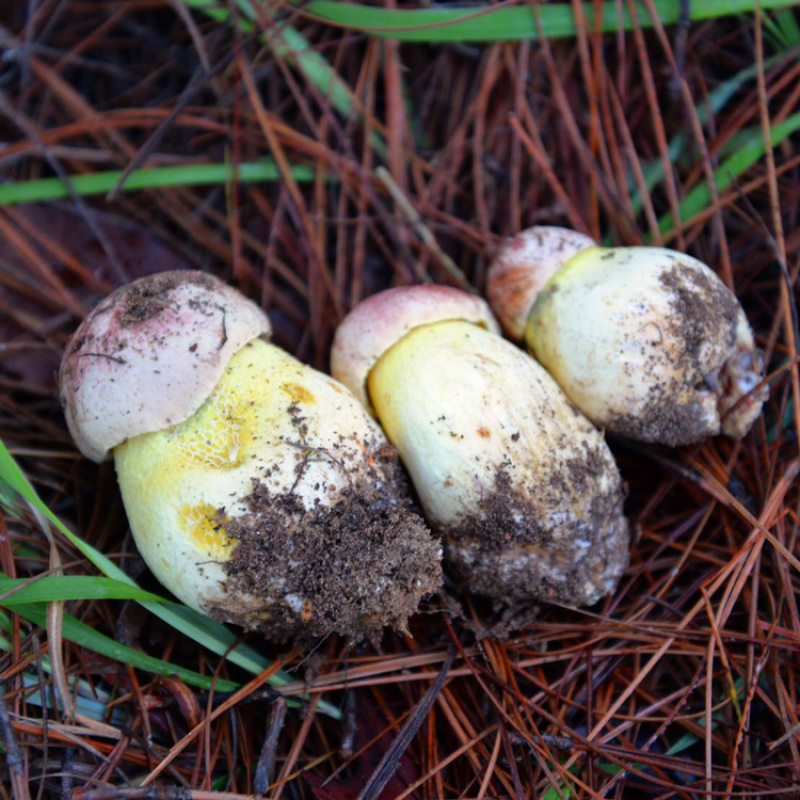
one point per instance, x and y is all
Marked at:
(149, 355)
(371, 328)
(523, 266)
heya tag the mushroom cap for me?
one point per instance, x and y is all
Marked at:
(148, 356)
(380, 321)
(523, 266)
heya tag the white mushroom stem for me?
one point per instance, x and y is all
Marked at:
(648, 343)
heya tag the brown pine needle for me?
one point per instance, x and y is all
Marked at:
(401, 162)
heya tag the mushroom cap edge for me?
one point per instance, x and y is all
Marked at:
(373, 326)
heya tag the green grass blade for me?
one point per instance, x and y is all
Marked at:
(81, 634)
(785, 28)
(206, 632)
(152, 178)
(700, 197)
(485, 23)
(12, 475)
(564, 792)
(69, 587)
(654, 171)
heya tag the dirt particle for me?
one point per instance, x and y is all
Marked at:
(146, 299)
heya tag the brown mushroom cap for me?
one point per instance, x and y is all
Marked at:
(149, 355)
(368, 331)
(523, 266)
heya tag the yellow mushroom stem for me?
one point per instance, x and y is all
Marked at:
(276, 506)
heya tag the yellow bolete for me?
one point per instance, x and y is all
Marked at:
(522, 488)
(647, 342)
(258, 490)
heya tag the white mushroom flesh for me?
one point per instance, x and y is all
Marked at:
(521, 485)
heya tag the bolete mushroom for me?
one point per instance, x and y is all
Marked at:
(258, 490)
(647, 342)
(523, 489)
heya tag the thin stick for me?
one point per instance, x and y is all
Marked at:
(423, 230)
(391, 758)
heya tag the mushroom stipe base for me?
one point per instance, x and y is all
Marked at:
(277, 508)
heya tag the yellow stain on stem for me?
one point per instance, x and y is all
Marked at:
(298, 393)
(220, 437)
(206, 527)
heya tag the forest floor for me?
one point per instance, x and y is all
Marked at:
(312, 154)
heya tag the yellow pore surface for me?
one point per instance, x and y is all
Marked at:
(264, 422)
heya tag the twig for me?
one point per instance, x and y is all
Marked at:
(88, 214)
(266, 761)
(196, 83)
(14, 760)
(423, 231)
(391, 758)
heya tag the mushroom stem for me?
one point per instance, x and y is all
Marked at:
(279, 506)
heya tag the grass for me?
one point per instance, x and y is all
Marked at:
(486, 23)
(27, 599)
(153, 178)
(750, 151)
